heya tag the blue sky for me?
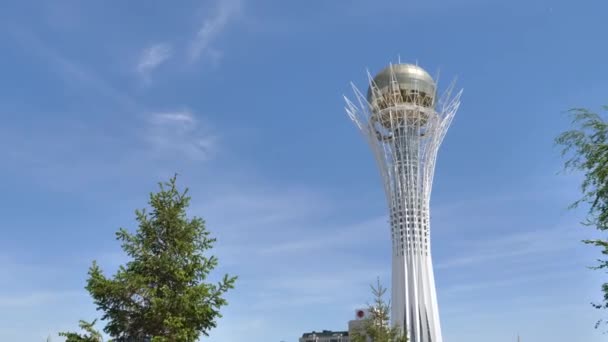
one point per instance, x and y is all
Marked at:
(100, 101)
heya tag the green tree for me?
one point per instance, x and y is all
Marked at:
(377, 327)
(91, 334)
(162, 293)
(585, 149)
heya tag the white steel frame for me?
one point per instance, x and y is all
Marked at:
(405, 138)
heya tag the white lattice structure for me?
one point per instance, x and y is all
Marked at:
(405, 123)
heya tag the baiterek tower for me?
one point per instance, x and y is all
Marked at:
(404, 122)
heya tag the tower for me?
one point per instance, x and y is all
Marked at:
(404, 123)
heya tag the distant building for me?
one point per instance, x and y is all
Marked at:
(357, 325)
(325, 336)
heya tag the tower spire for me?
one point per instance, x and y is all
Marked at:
(404, 124)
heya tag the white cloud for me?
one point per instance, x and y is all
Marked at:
(212, 27)
(182, 117)
(179, 132)
(152, 57)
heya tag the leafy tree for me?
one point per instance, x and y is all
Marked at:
(377, 327)
(585, 148)
(161, 294)
(91, 335)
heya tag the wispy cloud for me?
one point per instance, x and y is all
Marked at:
(319, 282)
(256, 226)
(35, 299)
(153, 57)
(71, 70)
(52, 157)
(333, 237)
(247, 206)
(475, 286)
(179, 132)
(513, 246)
(212, 27)
(26, 285)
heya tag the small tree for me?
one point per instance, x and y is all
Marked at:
(377, 327)
(586, 149)
(91, 334)
(161, 294)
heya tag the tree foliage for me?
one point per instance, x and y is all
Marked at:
(161, 293)
(585, 148)
(377, 327)
(91, 334)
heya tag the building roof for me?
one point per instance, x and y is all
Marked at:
(325, 333)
